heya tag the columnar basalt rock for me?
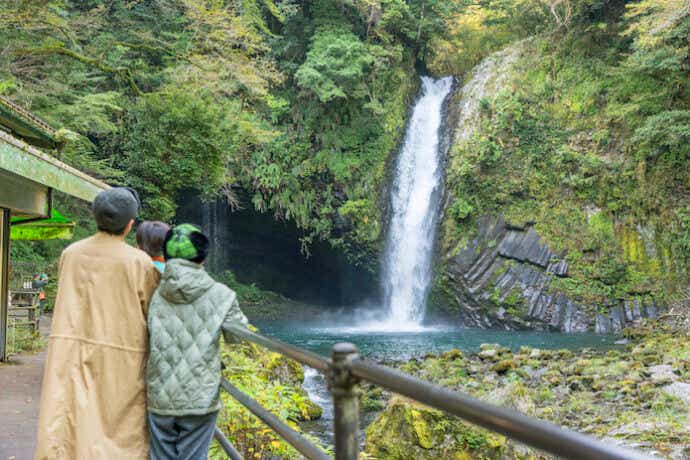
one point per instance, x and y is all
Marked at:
(503, 278)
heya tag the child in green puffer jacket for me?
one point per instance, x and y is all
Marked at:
(185, 319)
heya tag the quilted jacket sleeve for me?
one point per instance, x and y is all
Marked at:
(234, 316)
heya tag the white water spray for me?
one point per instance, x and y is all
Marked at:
(415, 200)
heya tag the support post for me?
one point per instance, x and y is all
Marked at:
(345, 394)
(4, 278)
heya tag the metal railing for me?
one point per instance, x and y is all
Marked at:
(345, 369)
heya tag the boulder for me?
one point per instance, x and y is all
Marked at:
(423, 433)
(680, 390)
(504, 366)
(661, 374)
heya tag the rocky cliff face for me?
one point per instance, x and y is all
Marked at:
(501, 272)
(503, 278)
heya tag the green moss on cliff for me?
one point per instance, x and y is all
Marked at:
(566, 143)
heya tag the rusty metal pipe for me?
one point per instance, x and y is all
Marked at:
(309, 358)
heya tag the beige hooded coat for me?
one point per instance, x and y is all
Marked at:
(93, 400)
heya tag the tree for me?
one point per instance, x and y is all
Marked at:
(336, 65)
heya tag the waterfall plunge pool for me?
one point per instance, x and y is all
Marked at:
(390, 345)
(319, 337)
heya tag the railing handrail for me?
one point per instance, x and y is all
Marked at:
(226, 445)
(295, 439)
(347, 367)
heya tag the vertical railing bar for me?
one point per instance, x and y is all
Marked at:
(226, 445)
(343, 387)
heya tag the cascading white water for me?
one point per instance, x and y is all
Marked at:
(415, 200)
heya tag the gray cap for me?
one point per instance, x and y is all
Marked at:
(114, 208)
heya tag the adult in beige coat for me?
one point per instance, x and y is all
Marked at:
(93, 400)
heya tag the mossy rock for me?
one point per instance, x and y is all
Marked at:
(308, 410)
(425, 434)
(452, 355)
(504, 366)
(372, 399)
(278, 367)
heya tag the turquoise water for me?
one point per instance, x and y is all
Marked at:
(392, 345)
(380, 345)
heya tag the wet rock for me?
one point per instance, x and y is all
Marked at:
(452, 355)
(637, 427)
(372, 399)
(558, 268)
(593, 391)
(309, 410)
(491, 352)
(281, 368)
(535, 374)
(502, 278)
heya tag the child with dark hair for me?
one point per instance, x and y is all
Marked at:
(186, 316)
(150, 237)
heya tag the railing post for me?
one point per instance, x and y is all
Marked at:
(345, 394)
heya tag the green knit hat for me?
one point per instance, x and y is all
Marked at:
(186, 241)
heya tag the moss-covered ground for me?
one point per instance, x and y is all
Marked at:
(624, 393)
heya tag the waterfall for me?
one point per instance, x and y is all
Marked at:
(415, 199)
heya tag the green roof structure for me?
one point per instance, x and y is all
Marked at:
(23, 124)
(28, 177)
(55, 227)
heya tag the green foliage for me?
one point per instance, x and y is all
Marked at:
(177, 140)
(274, 382)
(22, 339)
(460, 209)
(246, 293)
(683, 241)
(666, 137)
(336, 65)
(302, 103)
(590, 142)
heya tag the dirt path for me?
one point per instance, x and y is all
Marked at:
(20, 392)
